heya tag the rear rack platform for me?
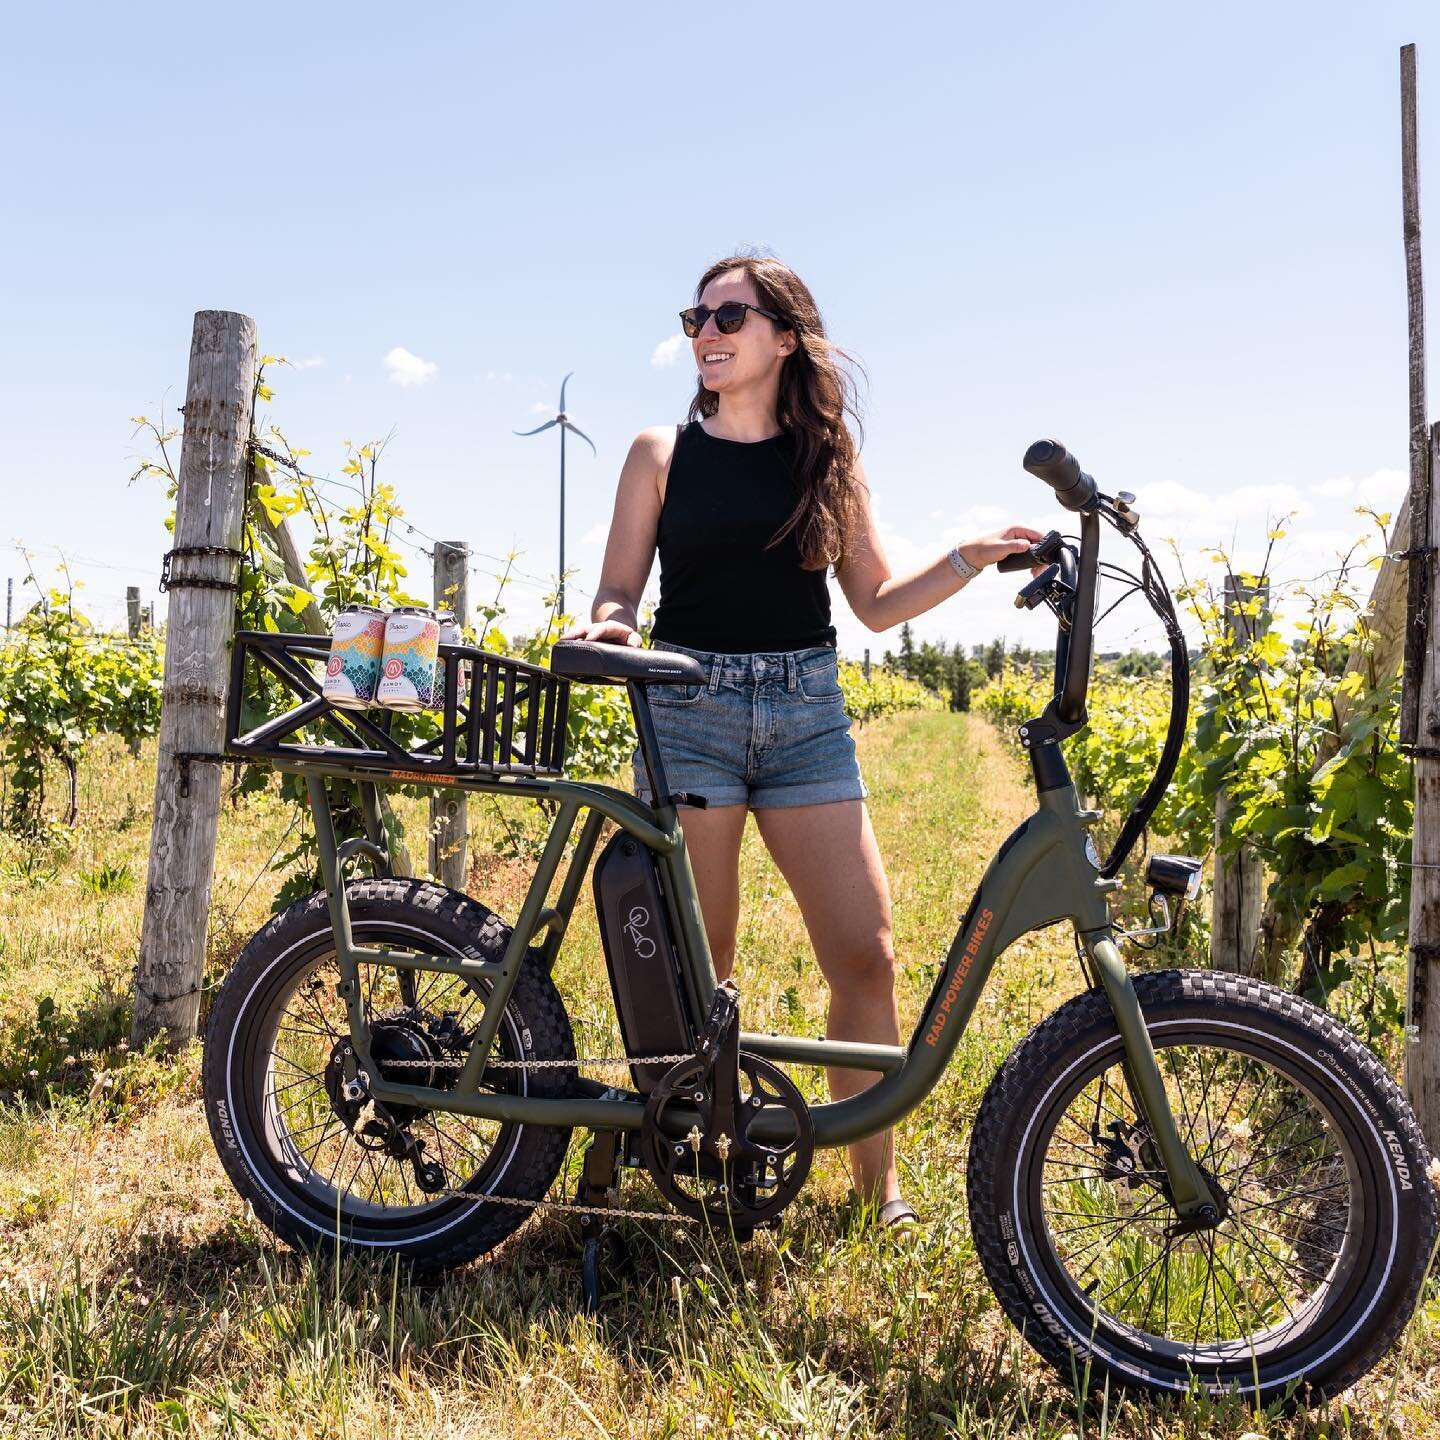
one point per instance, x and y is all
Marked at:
(513, 724)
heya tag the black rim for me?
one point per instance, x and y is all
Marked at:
(332, 1163)
(1298, 1230)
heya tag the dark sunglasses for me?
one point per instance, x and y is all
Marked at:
(729, 317)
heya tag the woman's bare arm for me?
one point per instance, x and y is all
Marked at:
(630, 547)
(880, 601)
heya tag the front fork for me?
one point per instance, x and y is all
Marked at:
(1193, 1200)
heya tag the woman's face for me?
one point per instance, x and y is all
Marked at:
(752, 356)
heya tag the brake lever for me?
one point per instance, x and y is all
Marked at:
(1038, 590)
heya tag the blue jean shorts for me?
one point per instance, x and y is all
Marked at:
(764, 730)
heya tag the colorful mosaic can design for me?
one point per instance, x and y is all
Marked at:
(450, 635)
(407, 673)
(356, 645)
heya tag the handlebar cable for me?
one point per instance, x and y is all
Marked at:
(1155, 590)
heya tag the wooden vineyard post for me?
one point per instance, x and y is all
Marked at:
(1422, 991)
(1239, 896)
(202, 573)
(449, 819)
(132, 616)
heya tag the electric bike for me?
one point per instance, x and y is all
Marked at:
(1179, 1178)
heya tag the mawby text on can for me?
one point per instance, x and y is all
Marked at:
(356, 645)
(407, 672)
(450, 634)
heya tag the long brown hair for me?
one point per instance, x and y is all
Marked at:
(817, 392)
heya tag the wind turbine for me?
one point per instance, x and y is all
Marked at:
(565, 423)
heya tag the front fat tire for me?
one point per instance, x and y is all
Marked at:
(1326, 1062)
(433, 1237)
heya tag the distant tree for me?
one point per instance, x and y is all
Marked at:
(907, 650)
(959, 679)
(995, 658)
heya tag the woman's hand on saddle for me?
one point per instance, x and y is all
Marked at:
(1000, 543)
(608, 632)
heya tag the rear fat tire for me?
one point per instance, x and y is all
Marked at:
(526, 1158)
(1326, 1063)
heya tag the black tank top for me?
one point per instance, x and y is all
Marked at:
(720, 588)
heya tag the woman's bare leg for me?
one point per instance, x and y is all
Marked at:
(712, 841)
(829, 858)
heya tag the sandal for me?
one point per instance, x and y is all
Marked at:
(897, 1214)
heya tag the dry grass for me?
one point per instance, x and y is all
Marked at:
(137, 1297)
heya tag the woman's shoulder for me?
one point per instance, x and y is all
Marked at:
(658, 439)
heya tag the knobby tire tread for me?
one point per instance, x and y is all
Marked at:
(459, 921)
(1011, 1098)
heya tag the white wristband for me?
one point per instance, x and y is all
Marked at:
(962, 567)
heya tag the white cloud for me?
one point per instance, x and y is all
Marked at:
(541, 407)
(667, 352)
(313, 363)
(596, 534)
(405, 369)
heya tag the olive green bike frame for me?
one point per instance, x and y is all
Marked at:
(1042, 875)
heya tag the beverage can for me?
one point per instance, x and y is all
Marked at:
(450, 634)
(407, 671)
(356, 646)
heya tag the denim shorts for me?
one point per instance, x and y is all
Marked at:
(764, 730)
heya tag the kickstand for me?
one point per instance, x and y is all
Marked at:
(599, 1185)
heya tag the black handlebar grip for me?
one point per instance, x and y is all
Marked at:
(1020, 560)
(1050, 461)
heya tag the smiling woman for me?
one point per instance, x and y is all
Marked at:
(749, 504)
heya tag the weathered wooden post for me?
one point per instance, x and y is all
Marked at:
(132, 615)
(1422, 991)
(1239, 895)
(201, 573)
(449, 819)
(1420, 709)
(867, 662)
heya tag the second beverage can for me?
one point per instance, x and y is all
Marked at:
(356, 645)
(407, 673)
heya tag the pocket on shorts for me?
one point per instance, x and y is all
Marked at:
(820, 686)
(671, 696)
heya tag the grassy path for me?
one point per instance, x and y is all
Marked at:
(129, 1270)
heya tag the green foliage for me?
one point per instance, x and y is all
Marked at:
(62, 682)
(1329, 809)
(886, 692)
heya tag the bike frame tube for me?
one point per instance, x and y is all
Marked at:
(1042, 875)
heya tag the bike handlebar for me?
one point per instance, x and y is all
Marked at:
(1050, 461)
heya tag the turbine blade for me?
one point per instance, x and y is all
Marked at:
(537, 429)
(563, 384)
(583, 436)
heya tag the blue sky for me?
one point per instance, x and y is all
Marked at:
(1170, 237)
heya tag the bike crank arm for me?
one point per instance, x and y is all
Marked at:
(1192, 1197)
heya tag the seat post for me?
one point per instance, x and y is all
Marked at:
(649, 742)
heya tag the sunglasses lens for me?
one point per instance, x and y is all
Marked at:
(729, 318)
(694, 320)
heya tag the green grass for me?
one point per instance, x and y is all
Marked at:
(138, 1298)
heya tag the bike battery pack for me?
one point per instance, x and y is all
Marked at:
(640, 955)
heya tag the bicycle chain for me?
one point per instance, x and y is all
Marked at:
(569, 1207)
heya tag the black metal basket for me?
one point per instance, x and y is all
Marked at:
(512, 724)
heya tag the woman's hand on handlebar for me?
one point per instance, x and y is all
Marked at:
(609, 632)
(1000, 543)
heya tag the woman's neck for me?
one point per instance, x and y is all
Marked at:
(743, 418)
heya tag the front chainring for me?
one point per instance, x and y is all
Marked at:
(731, 1180)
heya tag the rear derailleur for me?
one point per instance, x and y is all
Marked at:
(726, 1136)
(372, 1124)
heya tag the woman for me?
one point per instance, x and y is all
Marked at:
(749, 503)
